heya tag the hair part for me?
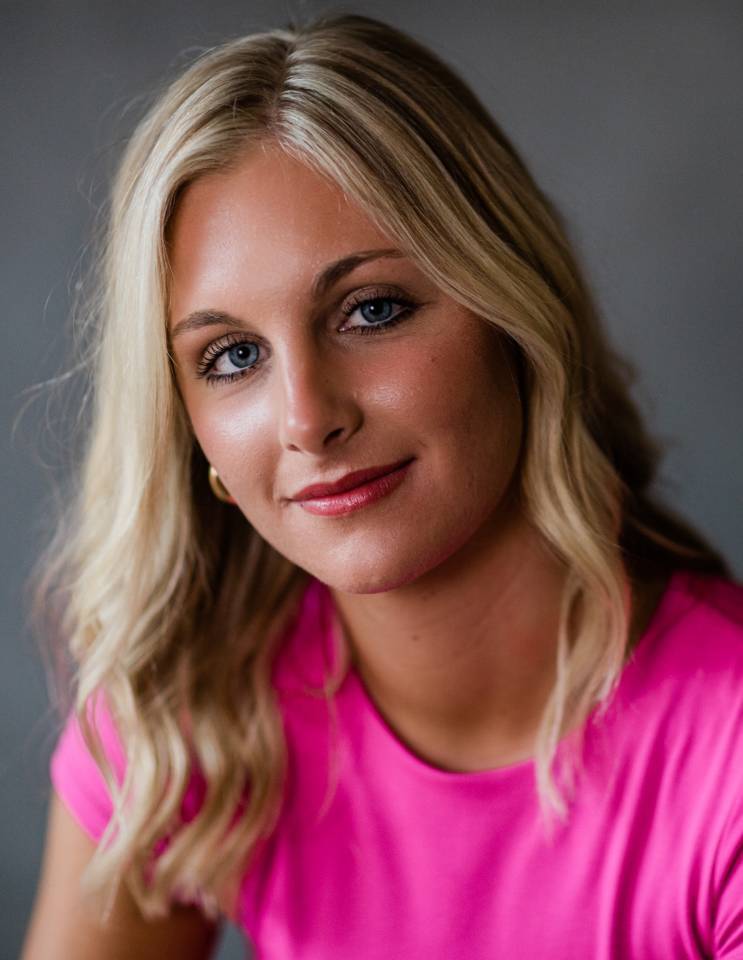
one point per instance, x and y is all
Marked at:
(172, 605)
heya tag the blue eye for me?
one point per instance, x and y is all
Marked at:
(230, 358)
(240, 355)
(378, 312)
(224, 362)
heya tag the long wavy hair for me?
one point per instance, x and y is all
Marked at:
(172, 606)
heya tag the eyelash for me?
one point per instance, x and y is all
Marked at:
(215, 350)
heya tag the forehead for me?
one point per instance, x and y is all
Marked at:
(269, 221)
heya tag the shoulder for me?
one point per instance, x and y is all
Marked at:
(678, 709)
(75, 773)
(696, 636)
(709, 714)
(80, 768)
(717, 599)
(678, 712)
(680, 700)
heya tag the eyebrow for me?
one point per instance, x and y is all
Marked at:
(325, 280)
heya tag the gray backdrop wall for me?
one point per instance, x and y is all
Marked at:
(628, 114)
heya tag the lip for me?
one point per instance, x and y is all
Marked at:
(359, 496)
(351, 480)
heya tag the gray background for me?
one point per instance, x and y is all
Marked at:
(630, 117)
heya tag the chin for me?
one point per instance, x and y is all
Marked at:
(361, 582)
(379, 576)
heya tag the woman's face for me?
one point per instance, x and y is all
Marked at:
(306, 349)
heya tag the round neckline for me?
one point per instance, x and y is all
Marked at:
(521, 768)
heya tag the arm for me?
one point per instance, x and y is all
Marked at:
(62, 924)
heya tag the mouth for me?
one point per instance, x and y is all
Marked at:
(366, 489)
(348, 482)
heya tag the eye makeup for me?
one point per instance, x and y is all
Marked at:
(231, 343)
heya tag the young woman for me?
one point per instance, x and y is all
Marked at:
(383, 646)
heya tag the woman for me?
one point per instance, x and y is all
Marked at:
(383, 646)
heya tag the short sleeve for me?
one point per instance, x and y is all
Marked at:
(75, 774)
(728, 918)
(83, 790)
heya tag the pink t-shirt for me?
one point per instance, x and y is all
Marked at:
(404, 861)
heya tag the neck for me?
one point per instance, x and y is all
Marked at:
(461, 661)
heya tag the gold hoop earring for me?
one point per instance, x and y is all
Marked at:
(218, 488)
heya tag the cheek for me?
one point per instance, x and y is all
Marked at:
(471, 395)
(234, 438)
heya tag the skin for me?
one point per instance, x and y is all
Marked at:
(448, 596)
(444, 580)
(64, 924)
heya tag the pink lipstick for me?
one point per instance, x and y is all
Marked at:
(320, 499)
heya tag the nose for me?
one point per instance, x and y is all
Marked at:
(315, 404)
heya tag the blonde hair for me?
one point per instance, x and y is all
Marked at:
(172, 605)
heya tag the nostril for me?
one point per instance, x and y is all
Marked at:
(334, 434)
